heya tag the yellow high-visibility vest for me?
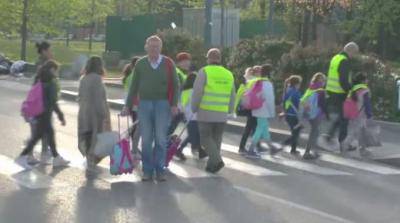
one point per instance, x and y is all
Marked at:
(181, 75)
(185, 97)
(333, 84)
(218, 89)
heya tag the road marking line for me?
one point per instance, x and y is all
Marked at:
(31, 179)
(246, 168)
(187, 171)
(375, 168)
(293, 205)
(356, 164)
(304, 166)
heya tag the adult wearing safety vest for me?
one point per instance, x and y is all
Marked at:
(183, 63)
(337, 87)
(213, 99)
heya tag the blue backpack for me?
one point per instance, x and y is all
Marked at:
(309, 104)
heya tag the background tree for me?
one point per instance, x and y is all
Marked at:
(374, 23)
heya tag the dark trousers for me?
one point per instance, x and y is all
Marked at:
(336, 102)
(193, 136)
(42, 126)
(251, 125)
(295, 130)
(45, 140)
(175, 122)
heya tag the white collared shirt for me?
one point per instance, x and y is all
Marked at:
(156, 64)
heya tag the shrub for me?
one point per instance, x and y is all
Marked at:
(259, 50)
(178, 40)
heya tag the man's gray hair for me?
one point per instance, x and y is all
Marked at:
(153, 38)
(351, 48)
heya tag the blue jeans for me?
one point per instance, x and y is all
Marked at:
(154, 120)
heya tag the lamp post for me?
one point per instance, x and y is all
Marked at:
(208, 24)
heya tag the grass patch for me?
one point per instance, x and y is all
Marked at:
(62, 53)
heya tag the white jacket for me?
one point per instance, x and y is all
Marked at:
(268, 108)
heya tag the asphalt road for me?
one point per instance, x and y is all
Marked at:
(274, 189)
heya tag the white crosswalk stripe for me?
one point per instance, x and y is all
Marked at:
(246, 168)
(304, 166)
(356, 164)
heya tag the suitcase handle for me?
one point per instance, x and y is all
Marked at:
(126, 132)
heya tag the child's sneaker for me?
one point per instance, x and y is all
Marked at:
(59, 161)
(181, 156)
(45, 158)
(23, 162)
(32, 160)
(252, 154)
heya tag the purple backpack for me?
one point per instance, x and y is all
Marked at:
(252, 98)
(33, 105)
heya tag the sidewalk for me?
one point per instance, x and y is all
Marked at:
(389, 153)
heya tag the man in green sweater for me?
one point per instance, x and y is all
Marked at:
(156, 83)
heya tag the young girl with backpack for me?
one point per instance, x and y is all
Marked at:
(314, 109)
(360, 94)
(193, 135)
(291, 102)
(42, 124)
(251, 122)
(263, 113)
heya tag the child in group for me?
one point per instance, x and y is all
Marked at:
(291, 102)
(42, 124)
(251, 121)
(314, 110)
(361, 94)
(193, 135)
(262, 114)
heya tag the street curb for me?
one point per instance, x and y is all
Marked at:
(114, 85)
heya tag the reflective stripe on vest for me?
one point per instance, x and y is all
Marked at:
(357, 87)
(310, 92)
(218, 89)
(333, 84)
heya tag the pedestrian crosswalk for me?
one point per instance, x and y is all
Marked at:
(280, 165)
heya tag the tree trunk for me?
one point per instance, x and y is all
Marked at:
(92, 26)
(24, 30)
(208, 25)
(315, 20)
(270, 18)
(67, 36)
(305, 31)
(262, 8)
(222, 3)
(382, 46)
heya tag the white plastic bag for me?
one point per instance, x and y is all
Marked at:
(370, 136)
(105, 142)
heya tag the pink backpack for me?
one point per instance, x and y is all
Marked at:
(252, 99)
(350, 107)
(33, 105)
